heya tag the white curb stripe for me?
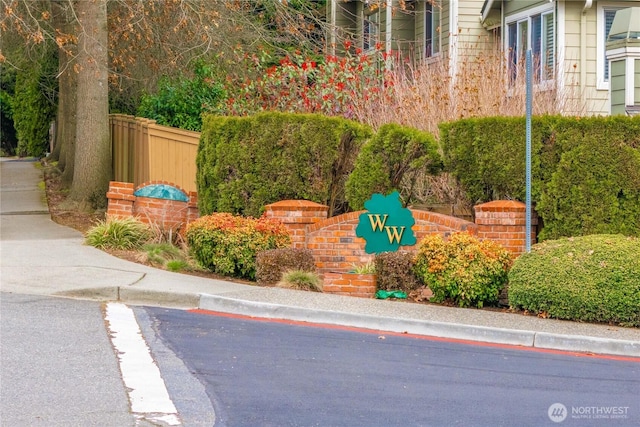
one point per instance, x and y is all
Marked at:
(147, 391)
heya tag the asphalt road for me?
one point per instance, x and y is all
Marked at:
(57, 366)
(268, 373)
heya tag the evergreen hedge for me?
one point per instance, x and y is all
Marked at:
(245, 163)
(393, 156)
(593, 278)
(33, 107)
(585, 171)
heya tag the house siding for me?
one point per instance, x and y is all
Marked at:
(347, 25)
(618, 87)
(472, 36)
(636, 85)
(445, 28)
(419, 27)
(588, 99)
(513, 7)
(404, 29)
(419, 30)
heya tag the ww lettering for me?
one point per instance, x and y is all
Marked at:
(393, 234)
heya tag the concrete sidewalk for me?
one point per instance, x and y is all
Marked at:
(38, 256)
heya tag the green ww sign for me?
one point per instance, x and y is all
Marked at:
(386, 225)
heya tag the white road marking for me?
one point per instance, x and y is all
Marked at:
(147, 391)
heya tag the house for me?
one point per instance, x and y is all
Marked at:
(568, 38)
(424, 30)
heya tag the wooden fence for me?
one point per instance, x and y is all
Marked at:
(144, 151)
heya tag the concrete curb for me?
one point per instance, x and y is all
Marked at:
(431, 328)
(587, 344)
(135, 296)
(514, 337)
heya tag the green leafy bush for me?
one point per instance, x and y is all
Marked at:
(33, 107)
(122, 234)
(228, 244)
(593, 278)
(273, 263)
(245, 163)
(395, 155)
(182, 102)
(395, 271)
(465, 270)
(8, 139)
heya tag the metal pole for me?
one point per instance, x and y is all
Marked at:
(528, 152)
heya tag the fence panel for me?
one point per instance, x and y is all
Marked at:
(144, 151)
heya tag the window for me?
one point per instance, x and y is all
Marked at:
(609, 14)
(431, 29)
(369, 31)
(536, 32)
(542, 42)
(605, 13)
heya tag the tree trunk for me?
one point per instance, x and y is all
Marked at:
(67, 123)
(92, 165)
(64, 151)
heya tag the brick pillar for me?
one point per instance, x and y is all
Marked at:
(296, 215)
(504, 221)
(120, 197)
(192, 207)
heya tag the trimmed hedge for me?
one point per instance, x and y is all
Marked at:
(592, 278)
(487, 156)
(245, 163)
(395, 155)
(585, 171)
(595, 187)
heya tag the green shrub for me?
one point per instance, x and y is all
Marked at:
(228, 244)
(395, 271)
(182, 102)
(585, 171)
(33, 107)
(177, 265)
(8, 139)
(245, 163)
(465, 270)
(302, 280)
(595, 188)
(123, 234)
(161, 253)
(395, 155)
(271, 264)
(592, 278)
(487, 156)
(366, 268)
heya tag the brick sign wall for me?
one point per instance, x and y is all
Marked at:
(332, 241)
